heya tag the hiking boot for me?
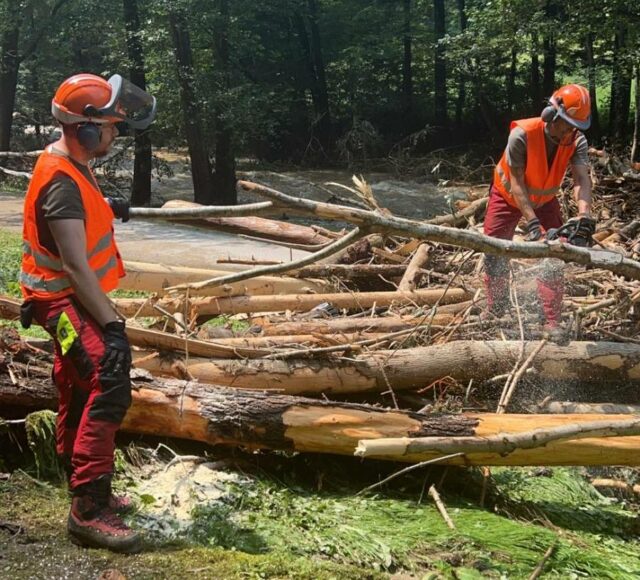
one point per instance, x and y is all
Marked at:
(94, 524)
(121, 504)
(497, 293)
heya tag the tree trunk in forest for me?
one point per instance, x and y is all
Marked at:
(595, 131)
(440, 66)
(200, 165)
(460, 101)
(141, 186)
(407, 66)
(187, 410)
(635, 147)
(621, 74)
(214, 306)
(225, 169)
(511, 79)
(9, 66)
(535, 85)
(414, 368)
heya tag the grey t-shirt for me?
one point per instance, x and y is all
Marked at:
(60, 200)
(517, 149)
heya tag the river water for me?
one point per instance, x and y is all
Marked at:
(176, 244)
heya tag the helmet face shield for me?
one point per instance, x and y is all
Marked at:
(128, 103)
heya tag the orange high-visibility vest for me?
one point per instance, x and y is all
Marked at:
(543, 182)
(42, 276)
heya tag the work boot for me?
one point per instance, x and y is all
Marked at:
(550, 293)
(94, 524)
(121, 504)
(497, 292)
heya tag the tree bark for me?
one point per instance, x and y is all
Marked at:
(141, 186)
(511, 79)
(9, 66)
(587, 362)
(225, 168)
(214, 306)
(407, 65)
(621, 74)
(460, 101)
(157, 277)
(440, 66)
(257, 420)
(635, 145)
(549, 50)
(200, 165)
(595, 130)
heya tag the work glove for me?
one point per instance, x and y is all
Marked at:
(582, 230)
(120, 207)
(117, 352)
(534, 231)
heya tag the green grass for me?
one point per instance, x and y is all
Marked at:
(238, 326)
(10, 260)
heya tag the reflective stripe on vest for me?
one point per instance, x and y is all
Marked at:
(55, 263)
(61, 282)
(533, 192)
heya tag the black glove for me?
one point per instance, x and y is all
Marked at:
(117, 352)
(120, 207)
(534, 231)
(582, 230)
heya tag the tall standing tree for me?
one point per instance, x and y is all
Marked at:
(13, 52)
(549, 49)
(200, 165)
(407, 64)
(440, 66)
(591, 74)
(621, 75)
(141, 185)
(225, 168)
(462, 92)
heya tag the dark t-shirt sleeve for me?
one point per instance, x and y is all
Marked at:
(62, 200)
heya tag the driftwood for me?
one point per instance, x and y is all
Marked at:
(257, 420)
(565, 407)
(419, 259)
(214, 306)
(158, 277)
(503, 444)
(375, 221)
(413, 368)
(460, 218)
(190, 213)
(256, 227)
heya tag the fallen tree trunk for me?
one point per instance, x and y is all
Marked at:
(461, 218)
(214, 306)
(189, 212)
(157, 277)
(256, 227)
(256, 420)
(568, 407)
(414, 368)
(350, 271)
(300, 341)
(340, 325)
(472, 240)
(420, 257)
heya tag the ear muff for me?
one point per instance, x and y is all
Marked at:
(88, 135)
(549, 114)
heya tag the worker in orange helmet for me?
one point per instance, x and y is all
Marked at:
(70, 262)
(525, 184)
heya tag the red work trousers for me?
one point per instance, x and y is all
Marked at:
(500, 222)
(91, 404)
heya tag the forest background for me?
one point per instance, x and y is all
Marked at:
(322, 82)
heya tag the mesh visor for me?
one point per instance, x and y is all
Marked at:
(130, 103)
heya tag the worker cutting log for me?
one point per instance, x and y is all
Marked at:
(526, 182)
(70, 261)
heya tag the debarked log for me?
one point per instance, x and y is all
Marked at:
(156, 277)
(253, 419)
(267, 229)
(214, 306)
(412, 368)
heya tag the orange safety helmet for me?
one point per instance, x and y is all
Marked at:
(571, 103)
(80, 95)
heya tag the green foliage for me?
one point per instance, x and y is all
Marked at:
(41, 437)
(238, 326)
(10, 260)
